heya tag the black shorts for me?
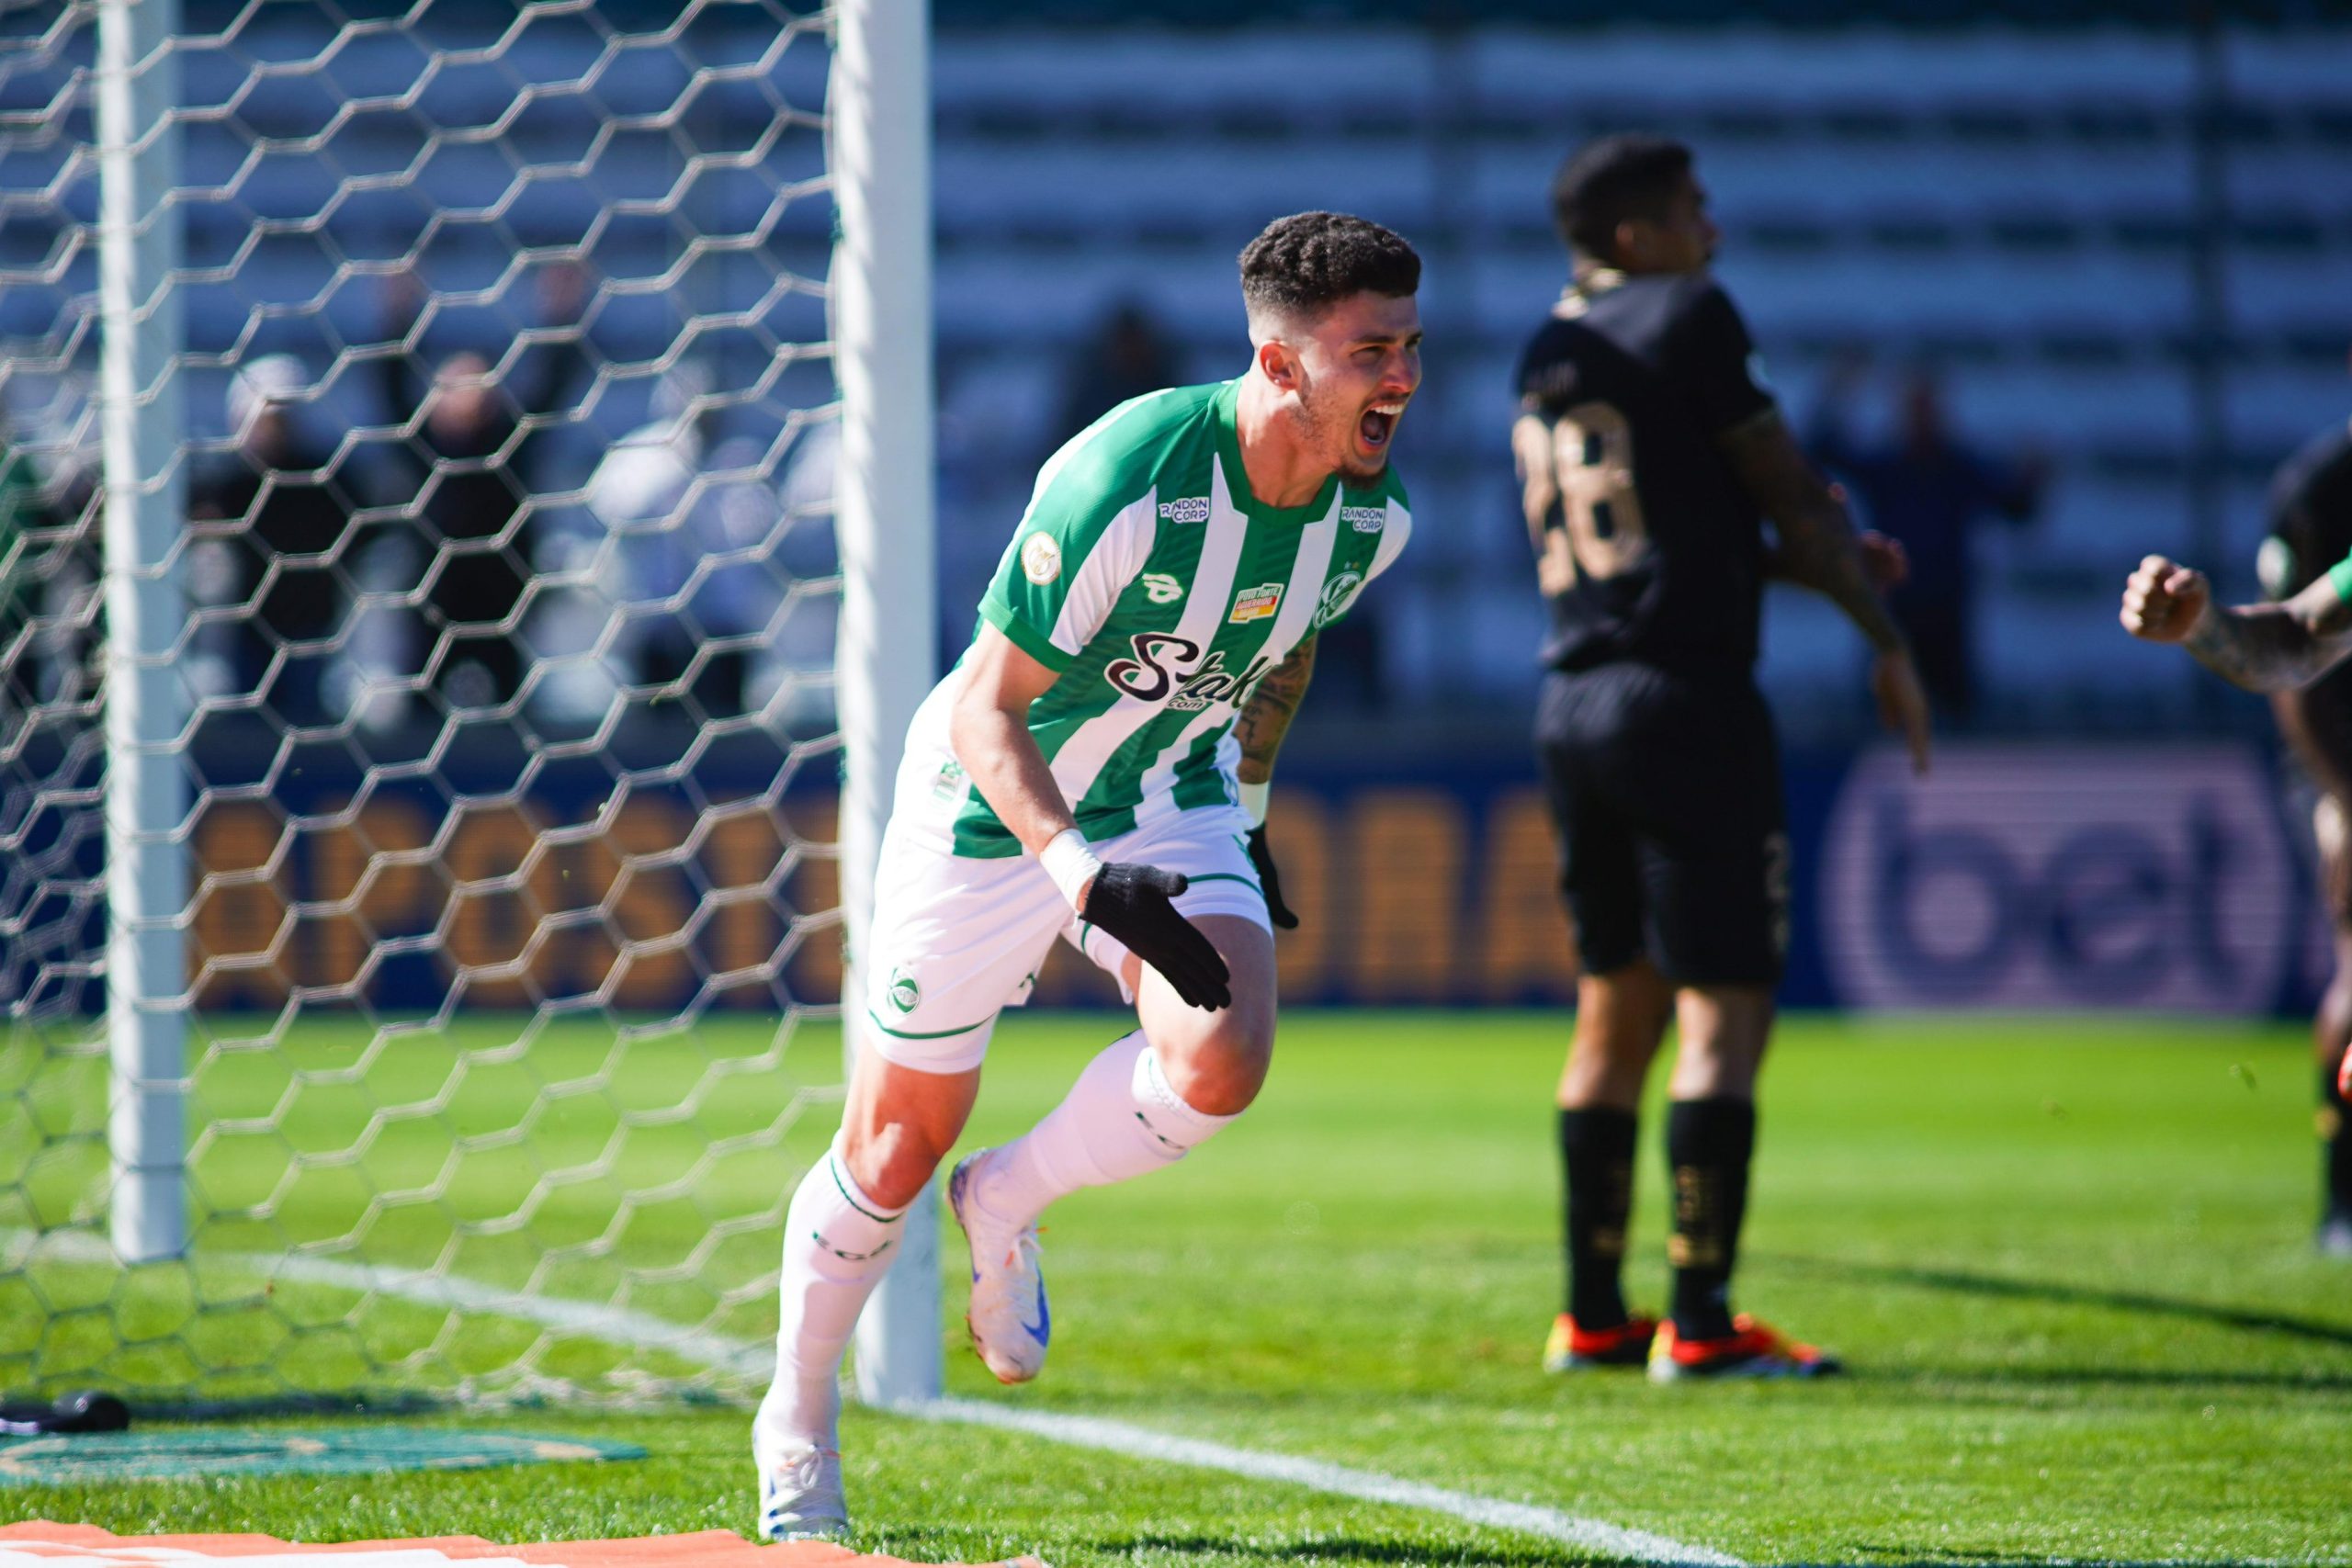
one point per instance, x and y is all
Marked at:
(1665, 791)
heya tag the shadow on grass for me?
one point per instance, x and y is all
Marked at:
(1961, 1282)
(2142, 1377)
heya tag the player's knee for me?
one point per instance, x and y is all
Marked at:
(1221, 1072)
(890, 1163)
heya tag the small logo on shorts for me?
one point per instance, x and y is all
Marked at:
(1364, 519)
(1192, 509)
(948, 787)
(905, 995)
(1041, 559)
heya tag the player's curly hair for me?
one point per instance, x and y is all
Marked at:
(1609, 179)
(1304, 263)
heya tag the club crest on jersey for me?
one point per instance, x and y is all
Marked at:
(1256, 604)
(1364, 519)
(1190, 509)
(1338, 595)
(1041, 559)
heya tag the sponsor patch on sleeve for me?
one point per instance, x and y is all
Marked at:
(1041, 559)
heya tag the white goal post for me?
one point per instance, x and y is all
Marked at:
(409, 918)
(882, 337)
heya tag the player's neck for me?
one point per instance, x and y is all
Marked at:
(1276, 465)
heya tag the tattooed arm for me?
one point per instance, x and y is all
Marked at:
(1266, 714)
(2264, 648)
(1265, 718)
(1819, 549)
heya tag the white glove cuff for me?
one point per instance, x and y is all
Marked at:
(1071, 863)
(1253, 801)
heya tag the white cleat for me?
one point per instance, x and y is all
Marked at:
(801, 1494)
(1010, 1321)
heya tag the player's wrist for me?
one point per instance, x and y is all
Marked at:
(2204, 627)
(1253, 801)
(1072, 865)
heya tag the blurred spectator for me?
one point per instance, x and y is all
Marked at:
(284, 509)
(22, 516)
(1929, 491)
(796, 684)
(470, 478)
(1126, 357)
(674, 598)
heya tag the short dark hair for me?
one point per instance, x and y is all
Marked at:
(1610, 179)
(1309, 261)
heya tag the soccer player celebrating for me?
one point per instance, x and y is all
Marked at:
(1649, 459)
(2291, 648)
(1096, 766)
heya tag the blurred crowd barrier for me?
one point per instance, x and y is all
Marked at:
(2018, 877)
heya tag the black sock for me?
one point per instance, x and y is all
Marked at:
(2335, 1145)
(1709, 1143)
(1596, 1170)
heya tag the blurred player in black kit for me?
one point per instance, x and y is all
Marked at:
(2295, 647)
(1650, 460)
(2311, 530)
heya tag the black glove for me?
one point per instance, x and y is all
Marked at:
(1269, 881)
(1131, 903)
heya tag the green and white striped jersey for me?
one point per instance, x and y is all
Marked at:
(1147, 576)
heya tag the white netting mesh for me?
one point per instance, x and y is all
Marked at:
(509, 593)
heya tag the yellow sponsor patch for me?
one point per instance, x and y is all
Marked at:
(1256, 604)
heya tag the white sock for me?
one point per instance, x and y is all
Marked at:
(837, 1241)
(1121, 1119)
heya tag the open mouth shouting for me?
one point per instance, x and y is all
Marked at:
(1378, 426)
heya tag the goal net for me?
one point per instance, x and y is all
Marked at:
(420, 934)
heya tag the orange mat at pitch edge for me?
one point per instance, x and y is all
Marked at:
(37, 1541)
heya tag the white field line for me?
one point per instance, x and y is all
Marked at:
(639, 1330)
(1138, 1442)
(642, 1331)
(618, 1325)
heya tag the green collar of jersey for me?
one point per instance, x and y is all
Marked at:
(1237, 476)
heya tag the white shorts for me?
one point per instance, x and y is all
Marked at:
(956, 939)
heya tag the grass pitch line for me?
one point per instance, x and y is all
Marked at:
(1371, 1486)
(612, 1324)
(643, 1331)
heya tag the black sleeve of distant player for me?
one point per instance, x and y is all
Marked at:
(1711, 357)
(2311, 515)
(1547, 373)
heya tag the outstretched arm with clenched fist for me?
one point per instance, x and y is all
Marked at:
(2264, 648)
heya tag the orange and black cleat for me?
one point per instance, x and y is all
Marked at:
(1752, 1349)
(1571, 1348)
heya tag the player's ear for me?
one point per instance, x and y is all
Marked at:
(1629, 241)
(1278, 365)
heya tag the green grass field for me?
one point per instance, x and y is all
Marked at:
(2068, 1263)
